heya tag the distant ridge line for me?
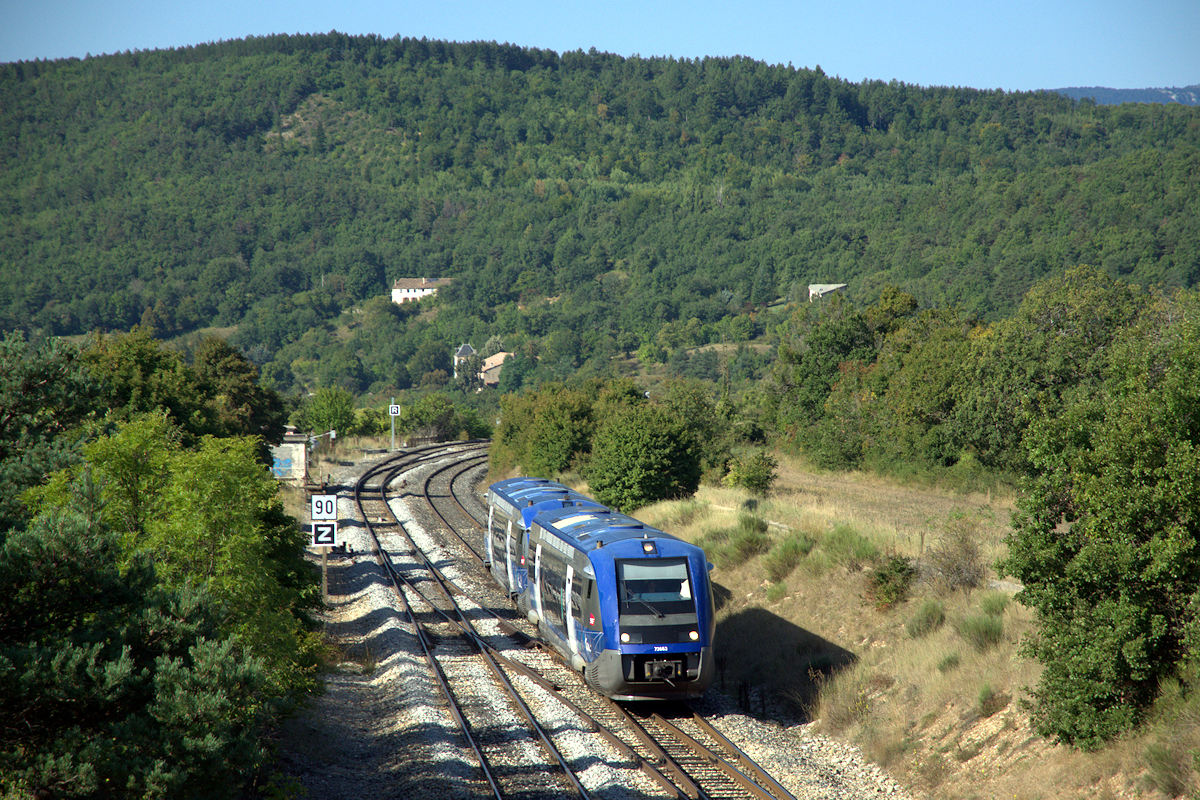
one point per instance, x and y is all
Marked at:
(1102, 95)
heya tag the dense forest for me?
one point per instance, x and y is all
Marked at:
(265, 186)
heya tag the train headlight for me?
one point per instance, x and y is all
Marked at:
(694, 635)
(624, 638)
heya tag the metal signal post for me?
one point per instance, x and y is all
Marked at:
(393, 412)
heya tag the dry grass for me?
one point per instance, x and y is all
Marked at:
(941, 712)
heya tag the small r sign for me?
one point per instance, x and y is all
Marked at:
(325, 534)
(324, 507)
(394, 410)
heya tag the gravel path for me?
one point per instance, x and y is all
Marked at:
(381, 730)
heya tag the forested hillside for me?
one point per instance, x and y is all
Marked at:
(584, 203)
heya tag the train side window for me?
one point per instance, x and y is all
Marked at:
(577, 596)
(553, 576)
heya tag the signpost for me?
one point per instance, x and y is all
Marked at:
(324, 532)
(393, 412)
(324, 507)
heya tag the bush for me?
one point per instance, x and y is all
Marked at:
(994, 603)
(685, 512)
(990, 701)
(121, 687)
(785, 555)
(1172, 754)
(949, 662)
(754, 473)
(730, 547)
(844, 545)
(889, 582)
(843, 700)
(1168, 769)
(930, 616)
(983, 631)
(955, 562)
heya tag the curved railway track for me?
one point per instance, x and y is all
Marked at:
(483, 706)
(480, 652)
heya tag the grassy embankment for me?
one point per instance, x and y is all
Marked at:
(928, 681)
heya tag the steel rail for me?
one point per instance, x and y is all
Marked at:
(453, 531)
(434, 666)
(473, 637)
(735, 774)
(764, 778)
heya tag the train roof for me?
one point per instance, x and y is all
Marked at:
(530, 512)
(589, 528)
(514, 494)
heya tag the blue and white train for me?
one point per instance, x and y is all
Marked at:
(627, 604)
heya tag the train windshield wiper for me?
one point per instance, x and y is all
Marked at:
(653, 610)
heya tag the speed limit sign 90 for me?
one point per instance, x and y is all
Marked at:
(324, 506)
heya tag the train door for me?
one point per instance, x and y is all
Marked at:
(487, 543)
(585, 616)
(495, 553)
(508, 569)
(570, 610)
(537, 582)
(554, 599)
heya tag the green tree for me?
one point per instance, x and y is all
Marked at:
(1019, 370)
(225, 529)
(557, 429)
(640, 455)
(45, 394)
(435, 416)
(239, 406)
(140, 374)
(469, 377)
(330, 409)
(918, 376)
(1107, 541)
(689, 402)
(133, 465)
(110, 684)
(814, 346)
(210, 517)
(514, 372)
(432, 355)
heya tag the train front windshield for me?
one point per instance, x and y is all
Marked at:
(658, 587)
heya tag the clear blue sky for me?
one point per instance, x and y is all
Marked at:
(1014, 44)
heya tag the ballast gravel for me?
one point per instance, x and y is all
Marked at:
(381, 729)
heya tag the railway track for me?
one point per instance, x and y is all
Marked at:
(495, 722)
(480, 652)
